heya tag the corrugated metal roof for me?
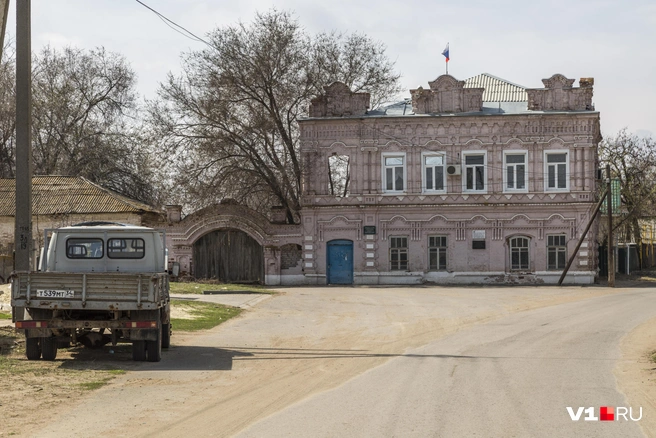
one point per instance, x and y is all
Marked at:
(497, 89)
(68, 195)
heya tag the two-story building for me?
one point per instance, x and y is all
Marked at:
(461, 185)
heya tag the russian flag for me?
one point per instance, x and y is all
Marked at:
(446, 52)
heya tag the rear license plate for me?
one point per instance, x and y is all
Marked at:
(54, 293)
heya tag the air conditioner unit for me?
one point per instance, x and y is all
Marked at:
(453, 169)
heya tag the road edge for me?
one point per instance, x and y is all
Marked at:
(636, 373)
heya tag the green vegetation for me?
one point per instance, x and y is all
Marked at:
(90, 386)
(4, 315)
(203, 315)
(198, 288)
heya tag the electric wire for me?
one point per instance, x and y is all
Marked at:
(186, 33)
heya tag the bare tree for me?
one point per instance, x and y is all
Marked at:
(7, 112)
(83, 120)
(633, 161)
(228, 124)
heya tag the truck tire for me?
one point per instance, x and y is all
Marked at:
(155, 347)
(49, 348)
(32, 348)
(139, 350)
(166, 335)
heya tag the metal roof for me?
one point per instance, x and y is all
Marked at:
(497, 89)
(68, 195)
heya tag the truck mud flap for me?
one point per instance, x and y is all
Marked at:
(143, 335)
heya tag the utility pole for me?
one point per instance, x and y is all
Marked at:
(4, 11)
(611, 253)
(23, 230)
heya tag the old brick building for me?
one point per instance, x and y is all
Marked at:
(466, 187)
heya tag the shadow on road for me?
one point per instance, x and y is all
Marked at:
(176, 358)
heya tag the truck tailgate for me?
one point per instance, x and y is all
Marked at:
(92, 290)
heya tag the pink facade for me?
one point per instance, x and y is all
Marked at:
(449, 192)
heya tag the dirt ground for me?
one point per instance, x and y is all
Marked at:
(636, 373)
(308, 345)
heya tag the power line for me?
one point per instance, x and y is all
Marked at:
(186, 33)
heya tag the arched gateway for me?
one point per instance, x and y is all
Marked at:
(231, 256)
(233, 244)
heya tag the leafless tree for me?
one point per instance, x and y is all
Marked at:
(228, 124)
(7, 112)
(83, 120)
(633, 161)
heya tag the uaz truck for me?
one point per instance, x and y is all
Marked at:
(98, 282)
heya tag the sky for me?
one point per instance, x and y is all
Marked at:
(521, 41)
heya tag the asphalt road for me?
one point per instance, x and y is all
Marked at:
(380, 362)
(513, 377)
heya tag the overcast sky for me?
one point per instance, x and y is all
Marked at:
(520, 41)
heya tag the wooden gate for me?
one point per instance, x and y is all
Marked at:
(230, 256)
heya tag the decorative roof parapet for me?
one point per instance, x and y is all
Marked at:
(339, 101)
(446, 95)
(559, 95)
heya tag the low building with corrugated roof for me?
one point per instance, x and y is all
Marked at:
(59, 201)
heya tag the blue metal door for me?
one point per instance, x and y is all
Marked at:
(340, 262)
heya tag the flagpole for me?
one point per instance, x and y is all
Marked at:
(445, 52)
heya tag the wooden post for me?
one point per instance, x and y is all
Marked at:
(611, 253)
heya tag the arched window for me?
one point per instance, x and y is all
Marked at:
(519, 256)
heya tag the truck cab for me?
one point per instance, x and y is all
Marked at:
(104, 247)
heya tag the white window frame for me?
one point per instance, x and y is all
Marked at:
(384, 171)
(546, 171)
(424, 182)
(506, 189)
(464, 165)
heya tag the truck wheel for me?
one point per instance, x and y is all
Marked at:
(139, 350)
(166, 335)
(155, 347)
(32, 349)
(49, 348)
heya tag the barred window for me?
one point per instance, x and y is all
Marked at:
(437, 253)
(556, 252)
(398, 253)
